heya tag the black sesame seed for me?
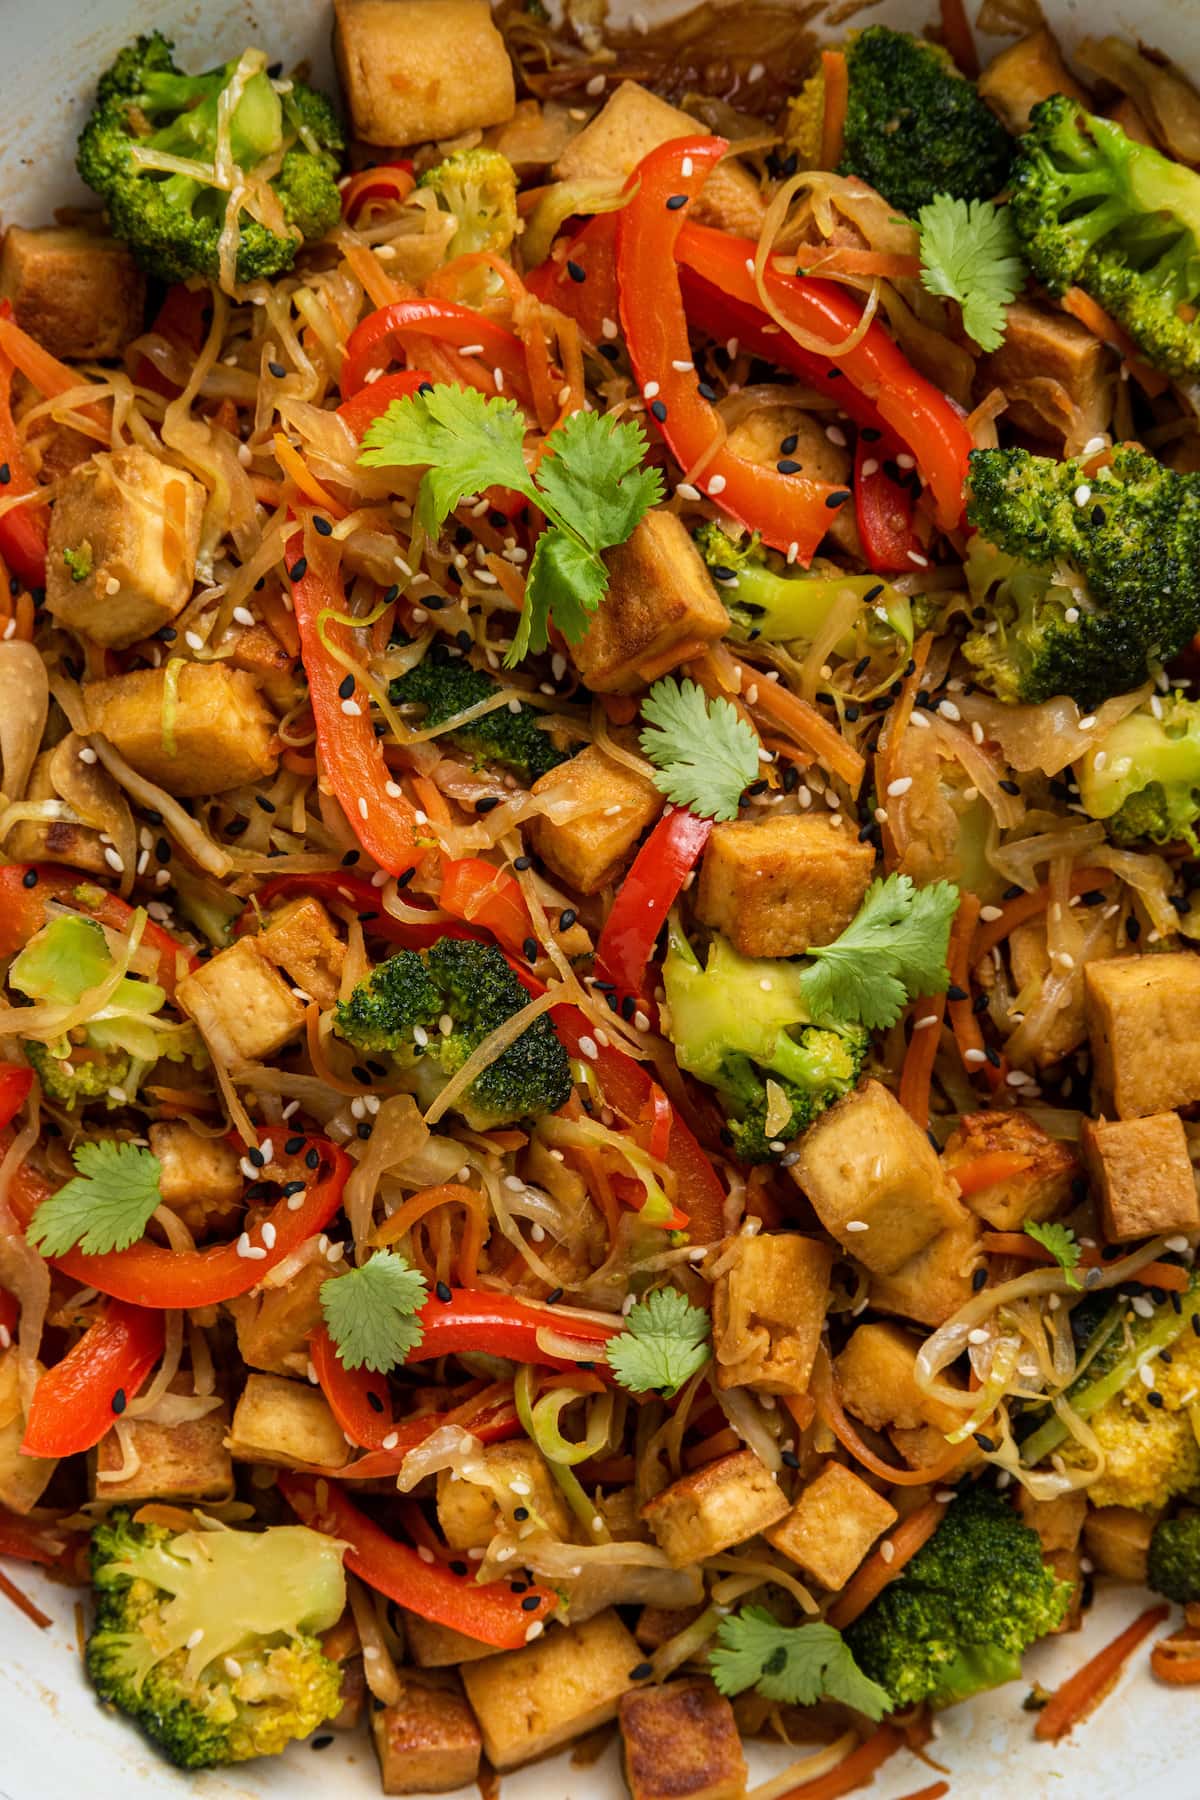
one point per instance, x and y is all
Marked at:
(956, 993)
(488, 804)
(312, 1159)
(628, 1007)
(993, 1056)
(30, 878)
(979, 1004)
(789, 444)
(790, 1459)
(1013, 893)
(839, 498)
(299, 569)
(520, 1514)
(642, 1671)
(1010, 787)
(345, 687)
(852, 714)
(5, 474)
(350, 858)
(426, 387)
(705, 391)
(609, 352)
(457, 1567)
(378, 1069)
(530, 947)
(363, 1130)
(119, 1401)
(979, 1280)
(576, 271)
(787, 466)
(443, 1293)
(373, 1401)
(1155, 1398)
(260, 800)
(530, 1603)
(860, 668)
(1133, 930)
(1097, 515)
(554, 1296)
(323, 1742)
(323, 527)
(523, 862)
(292, 1187)
(166, 634)
(567, 918)
(675, 201)
(985, 1443)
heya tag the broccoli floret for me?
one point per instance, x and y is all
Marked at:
(399, 1009)
(445, 685)
(208, 1639)
(766, 599)
(1174, 1562)
(480, 188)
(957, 1618)
(1097, 210)
(915, 127)
(1089, 578)
(1143, 781)
(79, 562)
(740, 1025)
(173, 220)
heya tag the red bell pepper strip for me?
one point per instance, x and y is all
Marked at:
(786, 509)
(371, 402)
(505, 1326)
(151, 1275)
(76, 1401)
(489, 1612)
(23, 531)
(647, 894)
(582, 280)
(338, 885)
(360, 1403)
(16, 1084)
(921, 416)
(348, 751)
(385, 181)
(884, 508)
(373, 343)
(481, 894)
(25, 889)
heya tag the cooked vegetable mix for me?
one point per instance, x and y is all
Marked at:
(599, 777)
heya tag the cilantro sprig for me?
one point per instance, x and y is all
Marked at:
(106, 1206)
(589, 484)
(970, 253)
(892, 950)
(703, 750)
(796, 1665)
(1062, 1244)
(369, 1312)
(664, 1343)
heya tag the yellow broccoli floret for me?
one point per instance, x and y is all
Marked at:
(1152, 1450)
(805, 116)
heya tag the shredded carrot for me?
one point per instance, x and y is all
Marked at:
(654, 666)
(1081, 306)
(844, 259)
(174, 1518)
(875, 1574)
(266, 491)
(281, 621)
(855, 1771)
(294, 465)
(889, 743)
(837, 93)
(49, 376)
(426, 1200)
(316, 1053)
(959, 39)
(380, 288)
(799, 720)
(1078, 1697)
(1027, 1249)
(1030, 906)
(985, 1171)
(298, 763)
(833, 1414)
(433, 801)
(1176, 1659)
(724, 1443)
(23, 1603)
(916, 1075)
(803, 1409)
(934, 1792)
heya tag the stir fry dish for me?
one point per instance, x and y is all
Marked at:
(599, 927)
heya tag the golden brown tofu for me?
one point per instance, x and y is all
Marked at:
(217, 733)
(1066, 1029)
(681, 1742)
(428, 1742)
(519, 1483)
(242, 1005)
(876, 1376)
(54, 840)
(532, 1700)
(418, 69)
(257, 650)
(615, 805)
(875, 1179)
(80, 294)
(1143, 1015)
(719, 1504)
(632, 122)
(302, 940)
(1038, 1191)
(660, 609)
(779, 884)
(1117, 1538)
(832, 1525)
(130, 524)
(937, 1280)
(1057, 375)
(1057, 1522)
(201, 1177)
(1142, 1173)
(273, 1328)
(287, 1424)
(440, 1646)
(1029, 71)
(185, 1463)
(23, 1479)
(768, 1310)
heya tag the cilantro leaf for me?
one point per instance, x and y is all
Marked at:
(369, 1311)
(1061, 1242)
(106, 1206)
(894, 949)
(468, 441)
(796, 1665)
(566, 583)
(704, 751)
(592, 477)
(970, 253)
(664, 1343)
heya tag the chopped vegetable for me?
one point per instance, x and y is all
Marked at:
(369, 1311)
(970, 252)
(796, 1665)
(664, 1343)
(703, 750)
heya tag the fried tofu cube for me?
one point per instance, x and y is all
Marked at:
(79, 293)
(875, 1180)
(1143, 1174)
(242, 1005)
(428, 1742)
(779, 884)
(185, 1463)
(1028, 71)
(23, 1479)
(613, 806)
(201, 1178)
(1143, 1015)
(1059, 375)
(877, 1380)
(1058, 1522)
(287, 1424)
(832, 1525)
(681, 1742)
(719, 1504)
(130, 524)
(655, 1624)
(302, 940)
(532, 1700)
(214, 733)
(518, 1482)
(54, 840)
(1117, 1538)
(660, 609)
(768, 1309)
(277, 672)
(440, 1646)
(1035, 1192)
(632, 122)
(417, 69)
(936, 1281)
(273, 1328)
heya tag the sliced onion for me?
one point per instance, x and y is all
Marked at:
(399, 1134)
(24, 703)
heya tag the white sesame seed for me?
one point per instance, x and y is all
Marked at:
(595, 86)
(1178, 1244)
(114, 861)
(650, 390)
(112, 586)
(836, 435)
(1146, 1375)
(1071, 615)
(1017, 1078)
(870, 467)
(362, 807)
(352, 709)
(949, 711)
(990, 913)
(900, 786)
(682, 367)
(1083, 494)
(268, 1234)
(1088, 724)
(857, 1225)
(587, 1047)
(196, 1639)
(445, 1024)
(978, 1336)
(534, 1631)
(717, 485)
(233, 1668)
(193, 640)
(887, 1550)
(243, 616)
(1142, 1307)
(87, 755)
(926, 1022)
(974, 1056)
